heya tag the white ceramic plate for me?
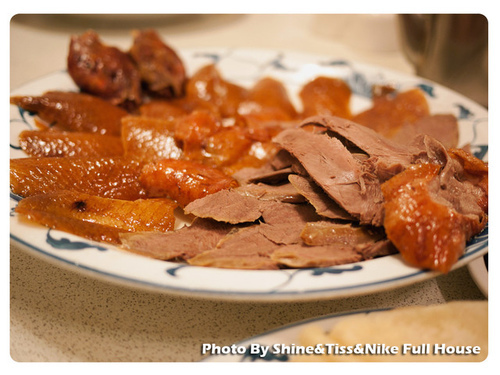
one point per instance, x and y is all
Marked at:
(270, 346)
(245, 66)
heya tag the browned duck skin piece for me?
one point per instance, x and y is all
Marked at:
(326, 96)
(391, 111)
(182, 180)
(97, 218)
(428, 233)
(108, 177)
(73, 111)
(104, 71)
(207, 89)
(69, 144)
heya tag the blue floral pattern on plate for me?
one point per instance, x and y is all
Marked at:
(245, 66)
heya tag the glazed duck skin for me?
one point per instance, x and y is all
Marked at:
(182, 180)
(110, 177)
(207, 89)
(69, 144)
(148, 138)
(73, 111)
(428, 232)
(96, 218)
(268, 100)
(327, 97)
(390, 111)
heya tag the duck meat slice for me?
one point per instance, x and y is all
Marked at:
(286, 193)
(282, 223)
(184, 243)
(324, 205)
(244, 248)
(442, 127)
(387, 158)
(303, 256)
(342, 176)
(377, 249)
(226, 206)
(331, 232)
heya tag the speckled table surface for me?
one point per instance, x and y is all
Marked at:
(58, 315)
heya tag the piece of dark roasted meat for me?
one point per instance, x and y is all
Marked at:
(161, 69)
(104, 71)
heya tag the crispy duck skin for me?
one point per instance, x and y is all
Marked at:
(326, 96)
(161, 69)
(73, 111)
(149, 138)
(268, 100)
(69, 144)
(474, 170)
(163, 108)
(428, 233)
(207, 89)
(96, 218)
(109, 177)
(103, 71)
(183, 180)
(391, 111)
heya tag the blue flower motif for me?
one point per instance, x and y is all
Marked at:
(212, 56)
(480, 151)
(428, 89)
(66, 244)
(335, 63)
(173, 271)
(277, 63)
(334, 271)
(360, 85)
(464, 113)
